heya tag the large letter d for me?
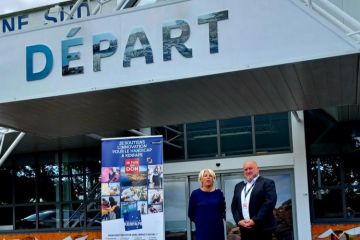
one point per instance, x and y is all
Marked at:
(30, 50)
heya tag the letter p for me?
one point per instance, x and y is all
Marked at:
(30, 50)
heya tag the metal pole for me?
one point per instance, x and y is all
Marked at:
(96, 9)
(11, 148)
(172, 130)
(2, 138)
(137, 132)
(120, 4)
(73, 10)
(296, 116)
(88, 2)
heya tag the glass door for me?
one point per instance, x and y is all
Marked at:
(195, 184)
(178, 190)
(283, 209)
(175, 208)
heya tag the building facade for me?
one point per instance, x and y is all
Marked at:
(223, 83)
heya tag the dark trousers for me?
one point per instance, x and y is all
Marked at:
(255, 234)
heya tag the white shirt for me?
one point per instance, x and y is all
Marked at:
(245, 202)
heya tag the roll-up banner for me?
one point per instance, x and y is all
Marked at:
(132, 188)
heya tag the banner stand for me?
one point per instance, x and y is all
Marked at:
(132, 188)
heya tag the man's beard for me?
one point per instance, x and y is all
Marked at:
(249, 179)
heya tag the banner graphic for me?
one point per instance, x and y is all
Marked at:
(132, 188)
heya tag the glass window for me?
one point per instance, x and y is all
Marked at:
(173, 141)
(350, 132)
(72, 162)
(236, 136)
(48, 164)
(325, 171)
(6, 223)
(202, 140)
(93, 213)
(175, 205)
(283, 208)
(49, 216)
(272, 133)
(92, 187)
(328, 203)
(229, 184)
(322, 133)
(25, 217)
(38, 186)
(334, 174)
(73, 215)
(352, 197)
(6, 177)
(93, 160)
(72, 188)
(25, 179)
(352, 170)
(49, 189)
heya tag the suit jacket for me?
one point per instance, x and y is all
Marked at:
(262, 203)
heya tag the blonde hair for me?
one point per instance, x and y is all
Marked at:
(202, 172)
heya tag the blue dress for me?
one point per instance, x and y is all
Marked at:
(207, 210)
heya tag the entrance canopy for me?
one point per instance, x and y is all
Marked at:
(178, 62)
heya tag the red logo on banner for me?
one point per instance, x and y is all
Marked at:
(132, 165)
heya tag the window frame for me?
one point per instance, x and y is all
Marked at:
(60, 203)
(341, 156)
(341, 187)
(219, 154)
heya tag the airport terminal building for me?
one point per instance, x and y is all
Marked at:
(223, 82)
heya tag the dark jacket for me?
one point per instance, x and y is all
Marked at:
(262, 203)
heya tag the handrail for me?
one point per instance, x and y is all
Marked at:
(87, 208)
(331, 12)
(12, 146)
(66, 224)
(93, 220)
(341, 13)
(339, 24)
(94, 189)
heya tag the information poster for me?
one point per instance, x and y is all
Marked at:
(132, 188)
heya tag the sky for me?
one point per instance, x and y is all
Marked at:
(8, 6)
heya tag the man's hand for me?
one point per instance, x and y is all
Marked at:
(247, 223)
(250, 224)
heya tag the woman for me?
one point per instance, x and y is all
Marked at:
(156, 177)
(207, 208)
(116, 177)
(107, 211)
(111, 174)
(114, 205)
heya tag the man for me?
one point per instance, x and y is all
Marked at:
(253, 204)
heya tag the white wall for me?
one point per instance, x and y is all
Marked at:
(301, 179)
(252, 27)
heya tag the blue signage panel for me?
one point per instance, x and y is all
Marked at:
(132, 190)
